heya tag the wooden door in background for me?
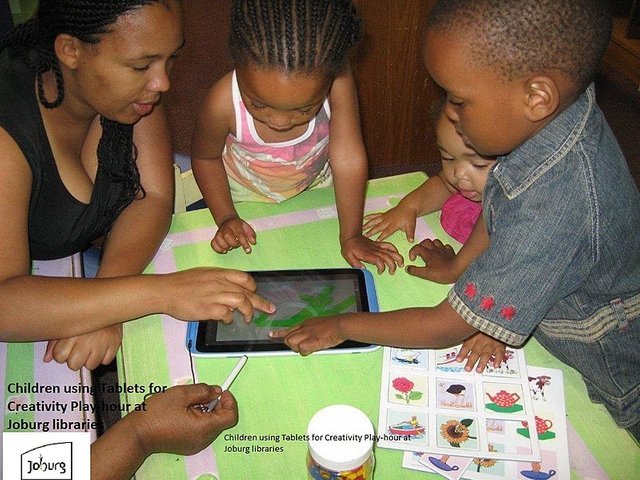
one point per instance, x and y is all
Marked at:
(394, 88)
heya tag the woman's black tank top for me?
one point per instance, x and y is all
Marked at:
(59, 224)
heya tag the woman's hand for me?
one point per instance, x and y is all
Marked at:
(173, 422)
(397, 218)
(212, 294)
(87, 350)
(381, 254)
(234, 233)
(311, 335)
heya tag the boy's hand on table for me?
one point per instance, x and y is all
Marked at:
(234, 233)
(87, 350)
(211, 294)
(439, 259)
(386, 223)
(173, 421)
(311, 335)
(381, 254)
(480, 348)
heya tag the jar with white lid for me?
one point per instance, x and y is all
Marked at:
(340, 445)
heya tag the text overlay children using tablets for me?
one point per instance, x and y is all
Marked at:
(561, 209)
(286, 120)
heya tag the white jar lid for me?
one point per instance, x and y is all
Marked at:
(340, 437)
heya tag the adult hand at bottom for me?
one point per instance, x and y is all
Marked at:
(173, 421)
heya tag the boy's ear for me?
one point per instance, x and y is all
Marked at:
(543, 98)
(67, 50)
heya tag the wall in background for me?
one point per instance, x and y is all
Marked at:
(395, 91)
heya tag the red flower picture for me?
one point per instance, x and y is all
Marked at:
(402, 384)
(405, 387)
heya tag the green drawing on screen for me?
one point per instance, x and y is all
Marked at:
(317, 306)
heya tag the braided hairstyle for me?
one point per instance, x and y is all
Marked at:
(307, 36)
(86, 20)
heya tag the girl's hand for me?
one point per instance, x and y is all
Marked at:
(311, 335)
(234, 233)
(211, 294)
(440, 262)
(362, 249)
(173, 422)
(397, 218)
(481, 348)
(88, 350)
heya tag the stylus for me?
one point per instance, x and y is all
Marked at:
(227, 383)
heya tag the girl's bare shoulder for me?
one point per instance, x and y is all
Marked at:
(218, 104)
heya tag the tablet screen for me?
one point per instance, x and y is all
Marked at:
(298, 295)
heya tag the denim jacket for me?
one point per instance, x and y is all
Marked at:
(563, 263)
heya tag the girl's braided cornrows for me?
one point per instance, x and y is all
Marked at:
(310, 36)
(86, 20)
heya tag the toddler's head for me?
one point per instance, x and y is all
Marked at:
(510, 66)
(462, 167)
(287, 54)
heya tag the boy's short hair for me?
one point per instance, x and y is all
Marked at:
(522, 37)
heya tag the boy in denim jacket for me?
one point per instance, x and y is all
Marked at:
(561, 211)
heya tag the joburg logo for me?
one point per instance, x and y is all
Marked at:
(49, 461)
(46, 456)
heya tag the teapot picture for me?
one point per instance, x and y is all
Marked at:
(504, 399)
(543, 429)
(542, 424)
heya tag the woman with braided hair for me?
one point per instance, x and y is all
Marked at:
(85, 157)
(286, 120)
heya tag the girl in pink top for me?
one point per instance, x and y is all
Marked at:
(260, 171)
(456, 190)
(286, 120)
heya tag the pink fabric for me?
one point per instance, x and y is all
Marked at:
(459, 215)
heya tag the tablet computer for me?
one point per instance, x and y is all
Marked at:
(298, 295)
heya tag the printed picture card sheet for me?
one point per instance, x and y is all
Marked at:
(547, 391)
(429, 403)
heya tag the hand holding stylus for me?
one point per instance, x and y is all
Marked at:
(229, 380)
